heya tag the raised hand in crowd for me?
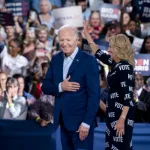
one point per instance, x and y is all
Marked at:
(87, 36)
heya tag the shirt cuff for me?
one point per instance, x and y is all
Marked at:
(85, 125)
(59, 87)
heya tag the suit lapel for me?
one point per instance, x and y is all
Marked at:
(75, 62)
(60, 66)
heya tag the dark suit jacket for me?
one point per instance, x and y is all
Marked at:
(82, 105)
(142, 111)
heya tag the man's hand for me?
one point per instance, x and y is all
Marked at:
(70, 86)
(83, 132)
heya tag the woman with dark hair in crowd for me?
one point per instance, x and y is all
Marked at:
(119, 107)
(146, 46)
(11, 60)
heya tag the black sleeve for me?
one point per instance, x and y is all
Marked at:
(104, 58)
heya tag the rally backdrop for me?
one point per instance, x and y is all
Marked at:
(28, 135)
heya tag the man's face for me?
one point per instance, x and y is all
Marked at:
(3, 79)
(67, 41)
(83, 5)
(139, 81)
(132, 27)
(13, 49)
(21, 84)
(112, 30)
(9, 30)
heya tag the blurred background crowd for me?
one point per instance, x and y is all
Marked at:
(28, 43)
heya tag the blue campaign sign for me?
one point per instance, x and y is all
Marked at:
(6, 19)
(18, 7)
(142, 64)
(109, 12)
(145, 12)
(103, 45)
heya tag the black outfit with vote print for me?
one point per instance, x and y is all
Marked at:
(120, 83)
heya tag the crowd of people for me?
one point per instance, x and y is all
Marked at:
(28, 46)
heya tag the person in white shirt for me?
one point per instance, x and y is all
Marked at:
(11, 61)
(12, 105)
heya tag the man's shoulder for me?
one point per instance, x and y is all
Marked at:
(57, 55)
(86, 55)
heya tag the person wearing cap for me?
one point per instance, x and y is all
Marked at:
(110, 29)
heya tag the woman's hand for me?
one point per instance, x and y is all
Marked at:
(120, 127)
(85, 29)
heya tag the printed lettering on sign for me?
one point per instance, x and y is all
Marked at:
(124, 67)
(123, 84)
(111, 114)
(118, 139)
(114, 95)
(118, 105)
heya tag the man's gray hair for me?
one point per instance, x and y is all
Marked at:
(74, 29)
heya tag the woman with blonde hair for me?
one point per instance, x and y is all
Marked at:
(119, 107)
(45, 14)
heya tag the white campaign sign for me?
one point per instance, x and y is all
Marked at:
(69, 16)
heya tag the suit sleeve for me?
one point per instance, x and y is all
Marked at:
(104, 58)
(48, 85)
(93, 90)
(126, 81)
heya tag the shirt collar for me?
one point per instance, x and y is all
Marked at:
(139, 91)
(72, 56)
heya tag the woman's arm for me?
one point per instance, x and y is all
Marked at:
(99, 54)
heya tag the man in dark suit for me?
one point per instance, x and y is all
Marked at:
(142, 99)
(73, 78)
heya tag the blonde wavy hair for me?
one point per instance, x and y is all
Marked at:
(122, 47)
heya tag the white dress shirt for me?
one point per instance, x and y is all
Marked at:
(66, 65)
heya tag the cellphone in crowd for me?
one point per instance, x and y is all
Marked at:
(40, 53)
(32, 15)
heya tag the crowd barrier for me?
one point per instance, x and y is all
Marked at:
(28, 135)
